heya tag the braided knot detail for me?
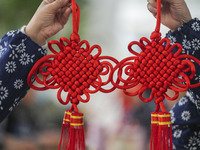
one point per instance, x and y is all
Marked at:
(75, 70)
(156, 36)
(155, 68)
(75, 37)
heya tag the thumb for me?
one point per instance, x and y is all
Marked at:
(57, 4)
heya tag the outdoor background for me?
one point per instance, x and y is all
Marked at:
(112, 121)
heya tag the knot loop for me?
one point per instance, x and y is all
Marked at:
(156, 36)
(75, 37)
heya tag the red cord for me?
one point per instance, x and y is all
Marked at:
(76, 69)
(157, 29)
(155, 68)
(76, 16)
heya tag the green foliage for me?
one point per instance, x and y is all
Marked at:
(15, 13)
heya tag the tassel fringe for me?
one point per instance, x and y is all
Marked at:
(161, 131)
(72, 134)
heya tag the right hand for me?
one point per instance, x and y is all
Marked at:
(173, 12)
(49, 19)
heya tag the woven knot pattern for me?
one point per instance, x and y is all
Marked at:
(156, 68)
(75, 69)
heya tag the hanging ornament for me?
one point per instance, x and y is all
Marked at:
(158, 69)
(78, 70)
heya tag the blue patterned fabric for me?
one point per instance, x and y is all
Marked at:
(186, 113)
(18, 53)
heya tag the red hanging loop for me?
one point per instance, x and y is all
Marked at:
(76, 16)
(156, 35)
(157, 29)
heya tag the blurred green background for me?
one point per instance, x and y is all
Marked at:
(14, 14)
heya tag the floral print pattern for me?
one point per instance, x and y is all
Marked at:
(18, 53)
(185, 115)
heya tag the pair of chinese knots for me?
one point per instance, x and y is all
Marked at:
(79, 69)
(79, 73)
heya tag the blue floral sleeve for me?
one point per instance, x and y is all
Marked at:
(18, 53)
(186, 113)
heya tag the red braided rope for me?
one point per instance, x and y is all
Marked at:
(155, 68)
(76, 16)
(76, 69)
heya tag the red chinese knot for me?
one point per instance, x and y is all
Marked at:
(74, 69)
(156, 68)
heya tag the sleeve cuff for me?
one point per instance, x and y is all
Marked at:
(23, 31)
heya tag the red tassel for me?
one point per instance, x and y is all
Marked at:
(161, 131)
(154, 131)
(164, 131)
(64, 139)
(76, 132)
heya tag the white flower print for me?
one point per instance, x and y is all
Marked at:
(16, 102)
(10, 67)
(194, 142)
(25, 59)
(195, 44)
(18, 84)
(177, 133)
(195, 26)
(189, 95)
(197, 77)
(172, 39)
(43, 51)
(185, 115)
(3, 48)
(3, 93)
(186, 44)
(182, 101)
(31, 59)
(0, 82)
(175, 127)
(13, 55)
(172, 116)
(21, 47)
(198, 102)
(12, 33)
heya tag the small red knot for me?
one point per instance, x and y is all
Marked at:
(75, 101)
(156, 36)
(75, 37)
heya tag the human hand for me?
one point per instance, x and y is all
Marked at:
(50, 18)
(173, 12)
